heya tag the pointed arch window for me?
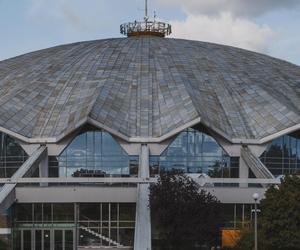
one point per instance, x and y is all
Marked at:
(93, 153)
(12, 156)
(282, 156)
(195, 151)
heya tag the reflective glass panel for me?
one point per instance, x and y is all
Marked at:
(58, 240)
(12, 156)
(17, 240)
(38, 239)
(104, 224)
(24, 212)
(93, 153)
(38, 214)
(27, 239)
(68, 240)
(282, 156)
(195, 151)
(89, 211)
(63, 212)
(47, 239)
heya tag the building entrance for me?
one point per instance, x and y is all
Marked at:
(59, 226)
(44, 239)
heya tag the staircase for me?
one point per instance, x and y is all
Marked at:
(254, 163)
(100, 236)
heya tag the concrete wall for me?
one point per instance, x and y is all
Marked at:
(67, 194)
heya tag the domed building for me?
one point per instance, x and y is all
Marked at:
(86, 127)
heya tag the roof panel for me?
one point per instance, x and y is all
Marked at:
(147, 87)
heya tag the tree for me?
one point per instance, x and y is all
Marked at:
(280, 216)
(185, 215)
(279, 220)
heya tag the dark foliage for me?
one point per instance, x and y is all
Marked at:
(184, 214)
(280, 216)
(279, 220)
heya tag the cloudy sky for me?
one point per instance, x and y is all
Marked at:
(266, 26)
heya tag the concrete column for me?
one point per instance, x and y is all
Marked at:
(44, 168)
(142, 237)
(76, 236)
(243, 171)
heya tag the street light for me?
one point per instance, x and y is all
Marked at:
(255, 197)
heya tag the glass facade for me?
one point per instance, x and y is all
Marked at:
(115, 221)
(237, 215)
(93, 153)
(51, 226)
(194, 151)
(43, 215)
(12, 156)
(282, 156)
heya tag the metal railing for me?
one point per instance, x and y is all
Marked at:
(134, 28)
(70, 180)
(203, 182)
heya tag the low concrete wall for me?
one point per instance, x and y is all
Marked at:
(69, 194)
(236, 195)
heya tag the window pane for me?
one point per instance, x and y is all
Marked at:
(194, 151)
(63, 212)
(126, 236)
(68, 240)
(282, 156)
(127, 211)
(38, 239)
(47, 240)
(89, 211)
(12, 156)
(105, 212)
(38, 214)
(17, 240)
(47, 213)
(58, 239)
(93, 153)
(113, 211)
(24, 212)
(27, 239)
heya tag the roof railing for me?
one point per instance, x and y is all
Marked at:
(146, 27)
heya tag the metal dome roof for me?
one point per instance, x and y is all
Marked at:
(148, 88)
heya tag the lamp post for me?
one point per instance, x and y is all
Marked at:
(255, 197)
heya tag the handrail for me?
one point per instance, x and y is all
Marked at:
(164, 29)
(100, 236)
(96, 180)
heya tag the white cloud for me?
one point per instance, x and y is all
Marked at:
(67, 13)
(55, 10)
(224, 29)
(235, 7)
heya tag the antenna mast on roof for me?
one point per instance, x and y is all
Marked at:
(146, 10)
